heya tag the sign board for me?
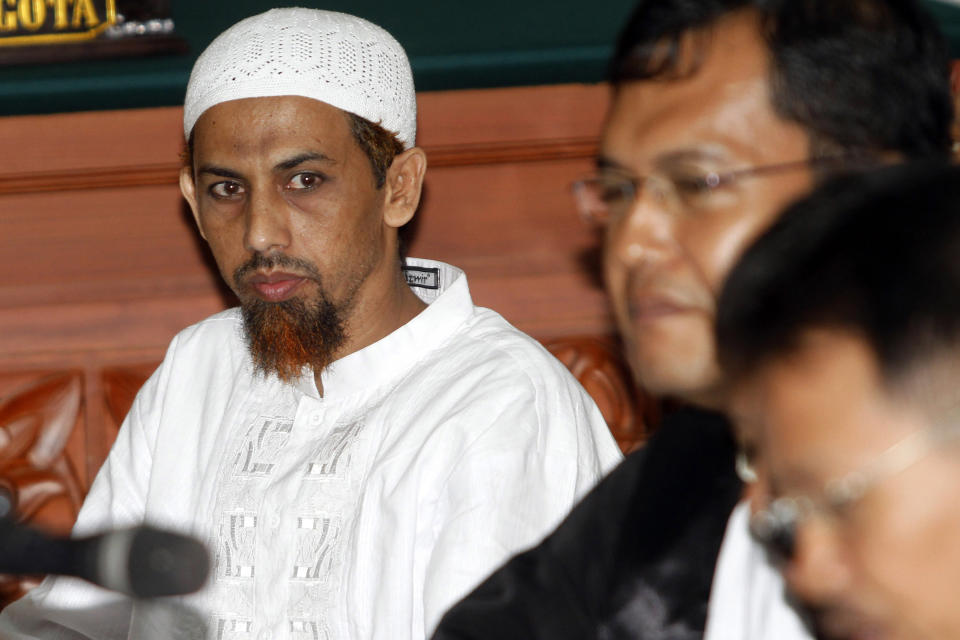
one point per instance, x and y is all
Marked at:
(34, 30)
(28, 22)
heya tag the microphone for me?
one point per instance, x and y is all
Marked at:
(143, 561)
(8, 501)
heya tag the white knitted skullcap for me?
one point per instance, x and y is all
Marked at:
(336, 58)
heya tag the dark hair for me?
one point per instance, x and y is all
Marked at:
(379, 145)
(858, 75)
(875, 255)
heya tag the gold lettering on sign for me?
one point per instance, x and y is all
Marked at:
(52, 21)
(59, 13)
(8, 18)
(32, 14)
(83, 10)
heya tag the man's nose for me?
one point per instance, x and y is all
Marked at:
(818, 572)
(267, 223)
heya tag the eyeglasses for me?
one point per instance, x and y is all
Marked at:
(604, 198)
(776, 526)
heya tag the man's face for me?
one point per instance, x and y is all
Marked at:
(884, 566)
(287, 201)
(664, 266)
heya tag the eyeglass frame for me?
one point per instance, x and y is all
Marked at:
(631, 185)
(775, 526)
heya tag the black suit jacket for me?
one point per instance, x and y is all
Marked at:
(635, 559)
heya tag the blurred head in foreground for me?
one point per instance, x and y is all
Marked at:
(840, 331)
(723, 112)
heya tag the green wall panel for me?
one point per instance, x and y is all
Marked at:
(453, 44)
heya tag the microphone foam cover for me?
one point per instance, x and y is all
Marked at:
(163, 563)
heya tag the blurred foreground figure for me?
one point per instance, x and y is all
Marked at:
(358, 443)
(841, 327)
(723, 112)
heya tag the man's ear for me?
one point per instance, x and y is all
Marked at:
(403, 187)
(189, 190)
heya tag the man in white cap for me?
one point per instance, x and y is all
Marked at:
(357, 442)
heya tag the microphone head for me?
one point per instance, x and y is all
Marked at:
(8, 500)
(163, 563)
(146, 562)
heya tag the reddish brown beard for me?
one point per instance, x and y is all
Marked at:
(285, 337)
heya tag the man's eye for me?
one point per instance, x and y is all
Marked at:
(305, 181)
(693, 185)
(612, 192)
(705, 191)
(227, 189)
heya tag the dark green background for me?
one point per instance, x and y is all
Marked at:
(452, 44)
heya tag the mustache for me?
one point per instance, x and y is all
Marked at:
(654, 284)
(261, 262)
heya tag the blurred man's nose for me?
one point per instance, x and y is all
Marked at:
(818, 573)
(643, 234)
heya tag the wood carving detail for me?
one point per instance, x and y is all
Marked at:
(36, 422)
(120, 387)
(630, 414)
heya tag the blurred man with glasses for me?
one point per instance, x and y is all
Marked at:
(722, 113)
(841, 330)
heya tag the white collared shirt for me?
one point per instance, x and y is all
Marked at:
(748, 598)
(433, 455)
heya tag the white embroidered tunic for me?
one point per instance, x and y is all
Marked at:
(432, 456)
